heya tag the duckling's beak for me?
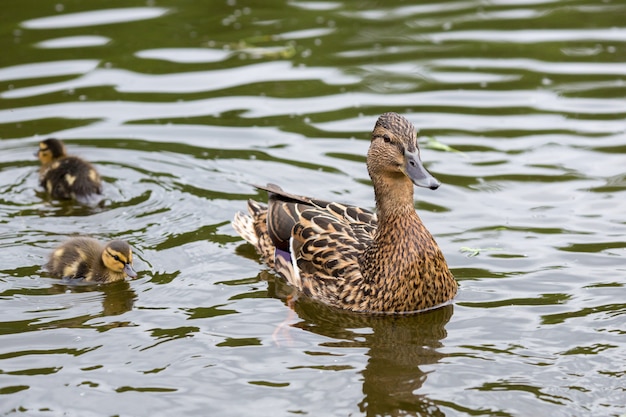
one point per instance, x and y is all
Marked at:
(415, 170)
(128, 270)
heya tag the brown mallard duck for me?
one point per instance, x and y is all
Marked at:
(347, 256)
(87, 259)
(66, 177)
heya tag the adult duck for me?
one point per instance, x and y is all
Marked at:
(347, 256)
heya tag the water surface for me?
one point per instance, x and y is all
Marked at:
(181, 105)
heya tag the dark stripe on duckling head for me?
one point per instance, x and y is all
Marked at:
(53, 145)
(118, 257)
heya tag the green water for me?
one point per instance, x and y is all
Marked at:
(181, 105)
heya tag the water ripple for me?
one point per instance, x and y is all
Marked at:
(191, 82)
(95, 18)
(520, 107)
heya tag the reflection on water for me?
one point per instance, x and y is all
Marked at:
(57, 303)
(397, 350)
(116, 299)
(182, 105)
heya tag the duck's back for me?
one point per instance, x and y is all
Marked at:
(70, 177)
(77, 258)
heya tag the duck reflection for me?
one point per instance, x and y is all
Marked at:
(398, 346)
(118, 297)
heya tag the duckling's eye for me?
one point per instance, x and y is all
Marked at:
(117, 258)
(386, 138)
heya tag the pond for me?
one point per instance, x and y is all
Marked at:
(181, 105)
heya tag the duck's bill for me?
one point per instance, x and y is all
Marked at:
(128, 270)
(417, 173)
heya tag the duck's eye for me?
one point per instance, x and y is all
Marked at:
(117, 258)
(386, 138)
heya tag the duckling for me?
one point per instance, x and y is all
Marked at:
(66, 177)
(349, 257)
(87, 259)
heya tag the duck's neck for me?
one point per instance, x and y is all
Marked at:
(394, 201)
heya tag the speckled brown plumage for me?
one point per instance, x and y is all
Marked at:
(87, 259)
(66, 177)
(349, 257)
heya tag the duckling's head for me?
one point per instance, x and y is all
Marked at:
(394, 153)
(50, 149)
(118, 257)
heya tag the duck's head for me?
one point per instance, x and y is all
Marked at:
(50, 149)
(394, 152)
(118, 257)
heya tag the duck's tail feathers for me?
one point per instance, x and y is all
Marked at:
(244, 226)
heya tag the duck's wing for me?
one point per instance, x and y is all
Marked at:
(315, 244)
(319, 242)
(286, 210)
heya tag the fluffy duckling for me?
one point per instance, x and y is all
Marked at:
(66, 177)
(87, 259)
(347, 256)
